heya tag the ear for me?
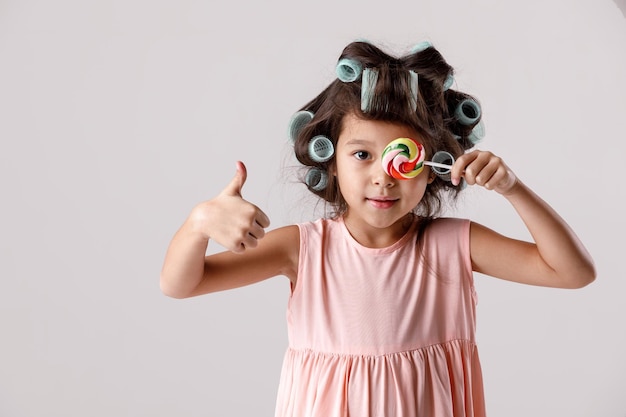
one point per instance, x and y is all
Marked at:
(431, 176)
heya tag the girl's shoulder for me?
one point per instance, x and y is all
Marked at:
(442, 227)
(318, 226)
(446, 235)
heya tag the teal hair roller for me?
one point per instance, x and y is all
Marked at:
(441, 164)
(348, 70)
(368, 85)
(321, 148)
(414, 89)
(421, 47)
(316, 179)
(478, 133)
(467, 112)
(448, 82)
(297, 122)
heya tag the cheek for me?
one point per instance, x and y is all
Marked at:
(342, 168)
(417, 186)
(343, 184)
(348, 184)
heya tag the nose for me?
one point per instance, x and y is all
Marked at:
(381, 179)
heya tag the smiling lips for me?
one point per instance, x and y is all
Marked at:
(382, 202)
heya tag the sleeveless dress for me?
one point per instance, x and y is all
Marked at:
(382, 332)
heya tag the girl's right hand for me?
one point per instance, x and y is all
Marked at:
(485, 169)
(228, 219)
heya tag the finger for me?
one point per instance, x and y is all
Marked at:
(480, 170)
(257, 231)
(236, 184)
(239, 248)
(461, 168)
(262, 219)
(486, 174)
(491, 175)
(250, 242)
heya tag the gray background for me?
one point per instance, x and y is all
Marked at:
(117, 117)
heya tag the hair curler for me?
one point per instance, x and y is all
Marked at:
(368, 86)
(414, 81)
(467, 112)
(448, 82)
(297, 122)
(321, 148)
(348, 70)
(316, 179)
(441, 164)
(478, 133)
(421, 47)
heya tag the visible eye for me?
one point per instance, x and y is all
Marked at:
(361, 155)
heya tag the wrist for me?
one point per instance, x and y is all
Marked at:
(511, 186)
(198, 222)
(517, 189)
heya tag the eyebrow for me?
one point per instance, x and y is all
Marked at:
(358, 142)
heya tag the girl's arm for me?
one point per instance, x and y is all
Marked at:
(238, 226)
(556, 258)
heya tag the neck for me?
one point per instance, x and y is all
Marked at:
(375, 237)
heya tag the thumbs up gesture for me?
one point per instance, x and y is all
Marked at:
(228, 219)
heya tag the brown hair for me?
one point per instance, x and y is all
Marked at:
(433, 118)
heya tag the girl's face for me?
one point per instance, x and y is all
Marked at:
(377, 204)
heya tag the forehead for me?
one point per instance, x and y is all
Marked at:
(360, 131)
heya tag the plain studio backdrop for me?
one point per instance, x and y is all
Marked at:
(117, 117)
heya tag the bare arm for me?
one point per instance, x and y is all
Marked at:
(556, 258)
(237, 225)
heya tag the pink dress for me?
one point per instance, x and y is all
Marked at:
(384, 332)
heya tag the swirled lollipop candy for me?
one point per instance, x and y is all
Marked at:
(403, 158)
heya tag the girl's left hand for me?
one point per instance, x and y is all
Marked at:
(485, 169)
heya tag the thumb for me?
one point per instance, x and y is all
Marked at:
(236, 184)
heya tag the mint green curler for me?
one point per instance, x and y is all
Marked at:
(321, 148)
(316, 179)
(467, 112)
(478, 133)
(348, 70)
(414, 89)
(297, 122)
(448, 82)
(441, 164)
(368, 85)
(421, 47)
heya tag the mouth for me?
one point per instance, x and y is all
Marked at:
(382, 202)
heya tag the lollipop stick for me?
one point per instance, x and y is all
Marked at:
(437, 165)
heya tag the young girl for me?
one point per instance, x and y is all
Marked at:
(381, 315)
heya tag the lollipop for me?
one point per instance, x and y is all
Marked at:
(403, 158)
